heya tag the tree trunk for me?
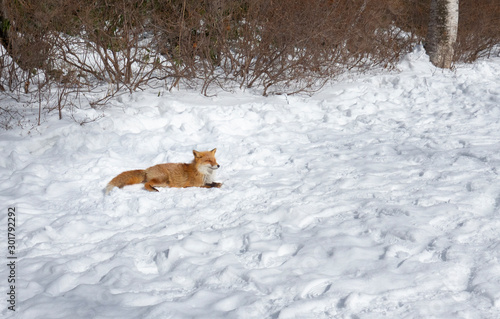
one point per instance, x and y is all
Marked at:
(442, 32)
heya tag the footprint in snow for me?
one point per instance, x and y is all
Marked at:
(315, 288)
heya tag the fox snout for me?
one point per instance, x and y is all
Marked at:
(214, 166)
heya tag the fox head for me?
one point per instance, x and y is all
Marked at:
(206, 161)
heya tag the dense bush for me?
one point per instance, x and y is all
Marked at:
(276, 46)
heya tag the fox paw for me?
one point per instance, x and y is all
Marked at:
(210, 185)
(150, 188)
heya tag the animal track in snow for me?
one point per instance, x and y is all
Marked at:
(315, 288)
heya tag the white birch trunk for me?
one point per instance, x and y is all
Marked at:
(442, 33)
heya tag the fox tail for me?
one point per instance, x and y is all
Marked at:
(126, 178)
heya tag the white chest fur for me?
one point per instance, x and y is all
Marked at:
(208, 173)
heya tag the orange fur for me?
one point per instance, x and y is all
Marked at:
(199, 173)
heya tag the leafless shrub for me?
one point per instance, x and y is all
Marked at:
(55, 50)
(8, 117)
(478, 30)
(109, 44)
(24, 39)
(280, 46)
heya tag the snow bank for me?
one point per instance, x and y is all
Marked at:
(376, 197)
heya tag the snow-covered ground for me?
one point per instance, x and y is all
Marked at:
(377, 197)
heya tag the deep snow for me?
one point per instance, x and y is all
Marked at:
(377, 197)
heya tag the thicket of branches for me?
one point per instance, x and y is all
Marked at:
(55, 47)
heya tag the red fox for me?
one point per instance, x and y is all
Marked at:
(199, 173)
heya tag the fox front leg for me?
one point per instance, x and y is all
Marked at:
(213, 184)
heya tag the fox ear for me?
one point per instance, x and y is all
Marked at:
(213, 151)
(196, 154)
